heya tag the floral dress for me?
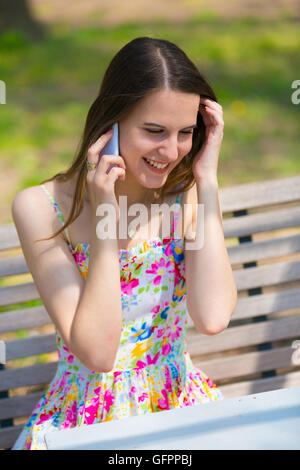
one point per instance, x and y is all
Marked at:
(152, 370)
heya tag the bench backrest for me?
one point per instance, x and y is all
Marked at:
(256, 353)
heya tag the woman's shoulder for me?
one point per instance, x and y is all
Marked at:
(33, 203)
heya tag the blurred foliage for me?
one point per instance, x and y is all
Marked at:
(250, 64)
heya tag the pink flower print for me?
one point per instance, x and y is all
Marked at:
(175, 334)
(108, 400)
(117, 376)
(71, 417)
(155, 309)
(127, 286)
(91, 411)
(150, 360)
(154, 360)
(70, 359)
(80, 257)
(132, 390)
(160, 332)
(140, 364)
(142, 397)
(166, 349)
(168, 380)
(159, 268)
(163, 403)
(168, 250)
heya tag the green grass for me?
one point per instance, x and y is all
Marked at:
(250, 64)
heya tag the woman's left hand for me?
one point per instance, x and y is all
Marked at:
(205, 164)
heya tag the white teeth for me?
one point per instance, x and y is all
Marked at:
(157, 165)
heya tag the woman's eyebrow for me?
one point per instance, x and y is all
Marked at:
(159, 125)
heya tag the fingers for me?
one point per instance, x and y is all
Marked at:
(94, 149)
(107, 160)
(205, 102)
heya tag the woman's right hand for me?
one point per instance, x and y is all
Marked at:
(100, 182)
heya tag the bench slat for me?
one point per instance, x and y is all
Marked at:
(243, 336)
(15, 407)
(246, 364)
(267, 275)
(13, 265)
(258, 194)
(24, 318)
(9, 237)
(262, 222)
(264, 304)
(238, 254)
(261, 385)
(32, 346)
(9, 435)
(247, 307)
(255, 251)
(25, 376)
(18, 293)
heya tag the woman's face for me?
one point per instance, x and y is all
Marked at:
(167, 142)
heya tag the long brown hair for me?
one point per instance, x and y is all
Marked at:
(142, 66)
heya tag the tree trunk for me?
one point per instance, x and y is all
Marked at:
(16, 14)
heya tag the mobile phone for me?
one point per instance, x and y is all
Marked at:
(112, 146)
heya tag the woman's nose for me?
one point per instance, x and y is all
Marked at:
(169, 150)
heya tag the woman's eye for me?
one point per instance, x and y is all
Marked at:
(158, 132)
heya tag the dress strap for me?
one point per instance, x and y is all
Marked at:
(57, 210)
(176, 214)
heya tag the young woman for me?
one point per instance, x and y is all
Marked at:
(120, 305)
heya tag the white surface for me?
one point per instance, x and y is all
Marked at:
(269, 420)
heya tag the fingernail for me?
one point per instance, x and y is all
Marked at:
(110, 131)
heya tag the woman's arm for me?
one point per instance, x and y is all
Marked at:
(99, 314)
(210, 284)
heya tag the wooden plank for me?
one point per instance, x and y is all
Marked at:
(15, 407)
(272, 274)
(18, 293)
(257, 194)
(8, 436)
(8, 237)
(267, 275)
(262, 222)
(243, 336)
(243, 253)
(32, 346)
(247, 307)
(246, 364)
(262, 304)
(13, 265)
(261, 385)
(24, 318)
(255, 251)
(25, 376)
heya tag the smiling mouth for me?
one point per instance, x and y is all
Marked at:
(156, 165)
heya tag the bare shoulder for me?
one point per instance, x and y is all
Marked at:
(31, 207)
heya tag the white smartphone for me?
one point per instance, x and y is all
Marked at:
(112, 146)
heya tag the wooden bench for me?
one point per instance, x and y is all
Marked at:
(255, 353)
